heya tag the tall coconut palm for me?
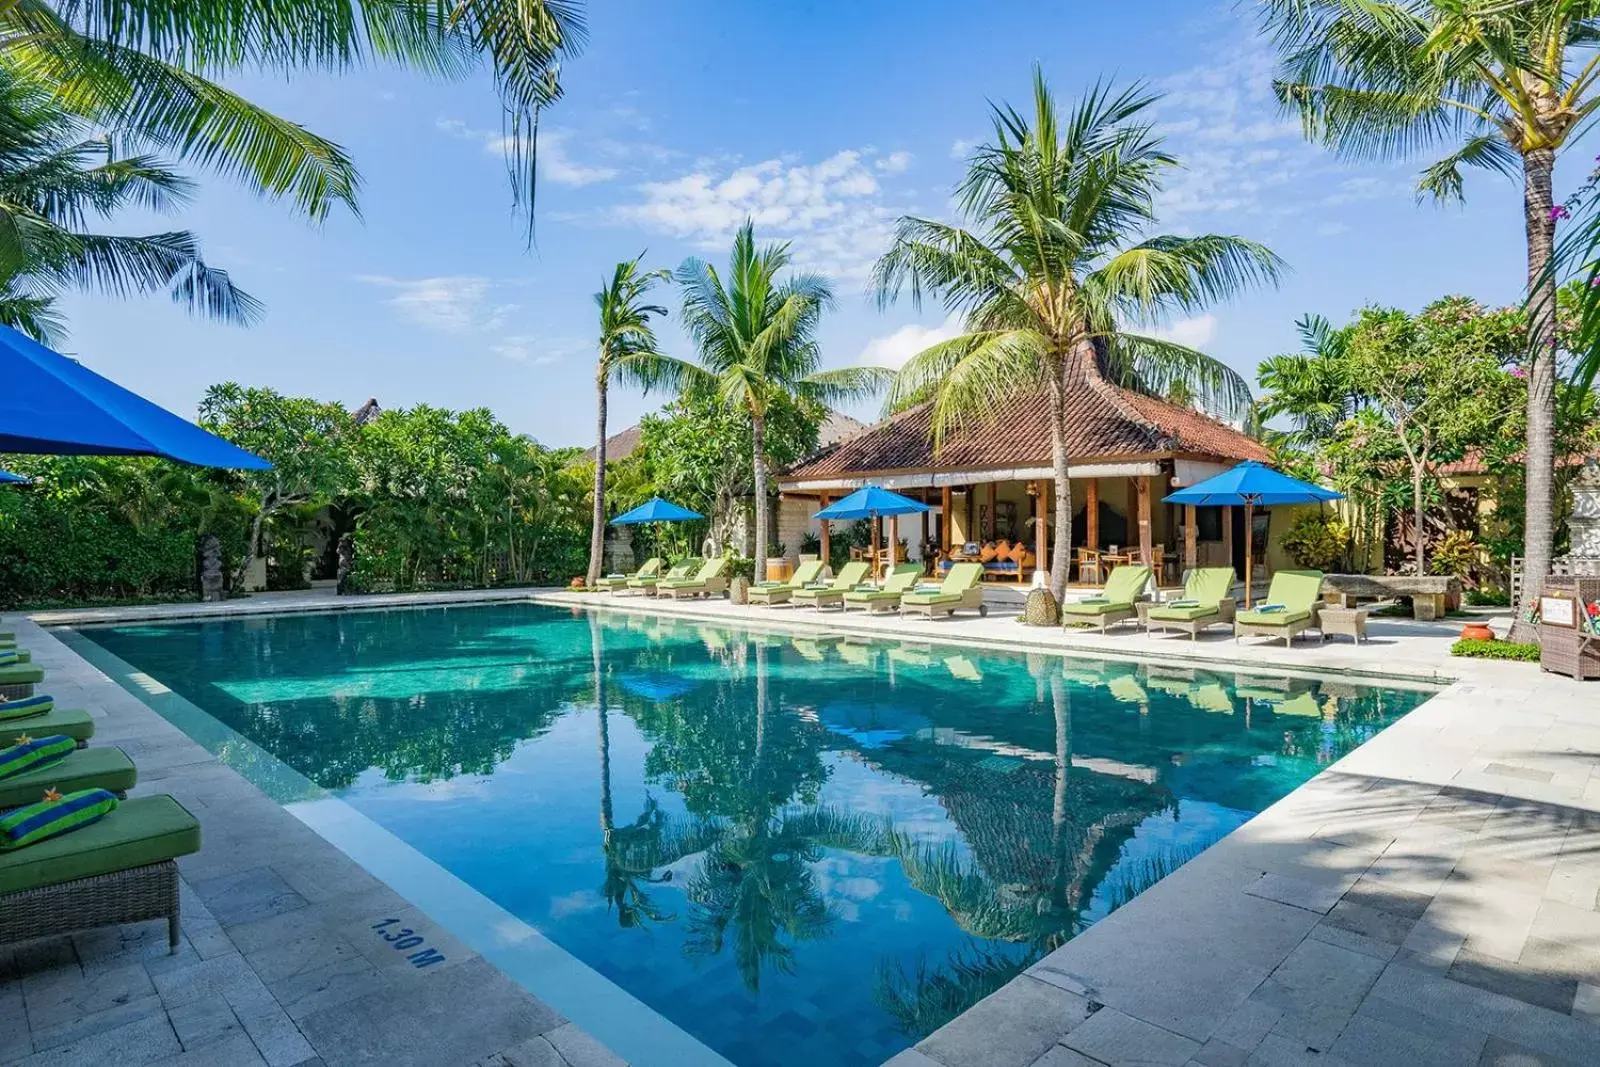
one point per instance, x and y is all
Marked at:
(152, 65)
(1052, 267)
(59, 179)
(756, 336)
(628, 354)
(1502, 84)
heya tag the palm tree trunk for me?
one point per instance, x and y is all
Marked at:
(1419, 537)
(606, 818)
(597, 531)
(758, 435)
(1538, 167)
(1061, 554)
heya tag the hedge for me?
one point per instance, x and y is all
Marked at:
(1528, 653)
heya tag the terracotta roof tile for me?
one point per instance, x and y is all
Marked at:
(1103, 422)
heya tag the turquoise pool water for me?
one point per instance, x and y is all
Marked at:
(799, 850)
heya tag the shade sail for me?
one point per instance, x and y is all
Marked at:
(7, 478)
(1252, 483)
(52, 405)
(871, 502)
(656, 510)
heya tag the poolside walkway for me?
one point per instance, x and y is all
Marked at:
(1433, 898)
(279, 962)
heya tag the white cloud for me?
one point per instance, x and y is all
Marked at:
(555, 161)
(536, 351)
(1194, 332)
(457, 303)
(893, 163)
(834, 208)
(1332, 229)
(895, 349)
(959, 149)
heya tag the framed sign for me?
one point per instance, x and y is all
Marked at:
(1558, 611)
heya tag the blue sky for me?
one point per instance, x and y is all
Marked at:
(825, 121)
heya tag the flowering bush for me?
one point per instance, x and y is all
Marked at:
(1317, 542)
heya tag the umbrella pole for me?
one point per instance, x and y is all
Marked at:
(1249, 548)
(894, 542)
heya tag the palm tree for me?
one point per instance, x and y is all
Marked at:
(628, 352)
(1311, 386)
(756, 338)
(1505, 84)
(56, 179)
(149, 65)
(1052, 267)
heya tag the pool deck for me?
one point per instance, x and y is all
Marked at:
(1432, 898)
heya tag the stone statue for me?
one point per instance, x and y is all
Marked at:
(210, 569)
(347, 563)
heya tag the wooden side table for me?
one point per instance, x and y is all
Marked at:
(1351, 622)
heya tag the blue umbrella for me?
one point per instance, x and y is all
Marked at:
(656, 510)
(7, 478)
(1252, 484)
(872, 502)
(53, 405)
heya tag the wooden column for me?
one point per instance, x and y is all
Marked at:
(1041, 527)
(1227, 535)
(1091, 501)
(988, 526)
(944, 523)
(1141, 488)
(1191, 538)
(827, 544)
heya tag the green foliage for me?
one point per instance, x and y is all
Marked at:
(1487, 598)
(1317, 542)
(94, 529)
(1457, 553)
(1512, 650)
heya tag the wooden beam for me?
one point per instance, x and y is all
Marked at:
(1227, 534)
(827, 542)
(1191, 538)
(1041, 526)
(944, 522)
(988, 527)
(1091, 501)
(1141, 488)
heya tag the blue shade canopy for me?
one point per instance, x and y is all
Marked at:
(1252, 483)
(871, 502)
(7, 478)
(51, 405)
(656, 510)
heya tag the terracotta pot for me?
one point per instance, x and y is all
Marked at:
(1477, 631)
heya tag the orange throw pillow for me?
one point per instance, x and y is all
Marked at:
(989, 553)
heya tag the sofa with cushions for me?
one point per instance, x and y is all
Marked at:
(1002, 560)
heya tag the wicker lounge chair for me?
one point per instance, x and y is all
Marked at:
(18, 679)
(959, 590)
(117, 870)
(821, 596)
(90, 768)
(1294, 601)
(1207, 601)
(709, 581)
(648, 586)
(887, 598)
(770, 593)
(76, 724)
(616, 583)
(1114, 604)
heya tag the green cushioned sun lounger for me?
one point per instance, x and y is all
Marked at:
(117, 870)
(708, 581)
(648, 585)
(18, 680)
(614, 583)
(1294, 601)
(960, 589)
(849, 576)
(1206, 601)
(875, 601)
(1115, 602)
(770, 593)
(89, 768)
(73, 722)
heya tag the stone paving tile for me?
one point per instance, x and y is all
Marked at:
(1318, 987)
(1112, 1037)
(1278, 1051)
(1219, 1053)
(1513, 980)
(132, 1045)
(1060, 1056)
(202, 1022)
(579, 1049)
(1381, 1033)
(1032, 1015)
(236, 1050)
(1502, 1053)
(249, 895)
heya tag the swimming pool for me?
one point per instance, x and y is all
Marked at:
(799, 850)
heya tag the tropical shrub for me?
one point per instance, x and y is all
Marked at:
(1456, 554)
(1513, 650)
(1317, 542)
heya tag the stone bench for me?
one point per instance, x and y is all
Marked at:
(1431, 595)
